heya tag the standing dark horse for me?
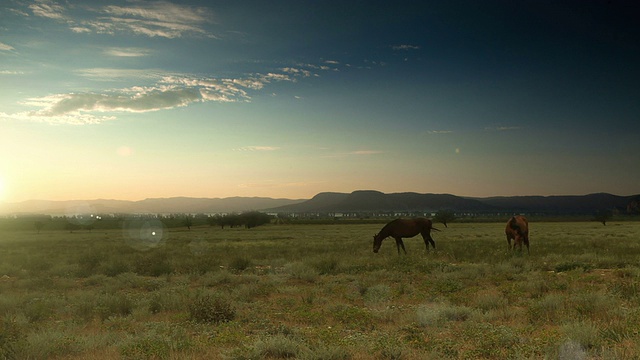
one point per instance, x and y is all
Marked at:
(518, 230)
(400, 228)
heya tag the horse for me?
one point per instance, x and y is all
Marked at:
(518, 230)
(400, 228)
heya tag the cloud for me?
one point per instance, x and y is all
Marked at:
(162, 11)
(5, 47)
(405, 47)
(47, 9)
(435, 132)
(76, 118)
(296, 71)
(110, 74)
(147, 18)
(169, 91)
(11, 72)
(365, 152)
(258, 148)
(126, 52)
(502, 128)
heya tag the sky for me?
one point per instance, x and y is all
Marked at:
(287, 99)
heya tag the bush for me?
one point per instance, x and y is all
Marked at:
(12, 339)
(207, 308)
(160, 341)
(438, 314)
(326, 266)
(377, 294)
(239, 264)
(301, 271)
(276, 347)
(113, 305)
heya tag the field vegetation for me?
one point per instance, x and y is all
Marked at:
(318, 292)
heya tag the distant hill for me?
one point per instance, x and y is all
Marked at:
(154, 206)
(330, 202)
(578, 204)
(371, 201)
(375, 201)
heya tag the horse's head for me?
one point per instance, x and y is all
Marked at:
(377, 242)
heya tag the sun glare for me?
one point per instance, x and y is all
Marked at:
(1, 188)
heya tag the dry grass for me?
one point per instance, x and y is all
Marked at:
(318, 292)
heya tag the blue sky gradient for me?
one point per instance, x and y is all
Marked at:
(137, 99)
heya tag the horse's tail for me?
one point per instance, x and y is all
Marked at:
(432, 228)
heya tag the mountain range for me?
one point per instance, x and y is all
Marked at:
(331, 202)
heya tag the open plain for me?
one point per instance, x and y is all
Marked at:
(319, 292)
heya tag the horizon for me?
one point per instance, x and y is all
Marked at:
(309, 198)
(131, 100)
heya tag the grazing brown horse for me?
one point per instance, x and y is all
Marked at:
(518, 230)
(400, 228)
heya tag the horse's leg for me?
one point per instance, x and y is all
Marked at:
(526, 242)
(400, 243)
(509, 242)
(426, 236)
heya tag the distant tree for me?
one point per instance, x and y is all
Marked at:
(188, 222)
(603, 216)
(71, 226)
(444, 217)
(282, 218)
(213, 220)
(634, 206)
(39, 225)
(255, 218)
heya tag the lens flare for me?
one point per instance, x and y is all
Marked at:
(144, 234)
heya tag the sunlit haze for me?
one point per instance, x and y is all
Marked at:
(286, 99)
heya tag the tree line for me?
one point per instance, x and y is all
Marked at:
(73, 223)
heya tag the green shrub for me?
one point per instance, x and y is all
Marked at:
(239, 264)
(113, 305)
(36, 310)
(276, 347)
(115, 267)
(326, 266)
(49, 344)
(377, 294)
(301, 271)
(438, 314)
(12, 339)
(159, 341)
(208, 308)
(547, 309)
(324, 352)
(573, 265)
(154, 263)
(354, 316)
(584, 333)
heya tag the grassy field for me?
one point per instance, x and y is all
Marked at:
(319, 292)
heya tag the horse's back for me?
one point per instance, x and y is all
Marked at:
(407, 227)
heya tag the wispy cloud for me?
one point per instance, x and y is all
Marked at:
(147, 18)
(258, 148)
(502, 128)
(5, 47)
(126, 52)
(405, 47)
(111, 74)
(436, 132)
(167, 92)
(48, 9)
(365, 152)
(11, 72)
